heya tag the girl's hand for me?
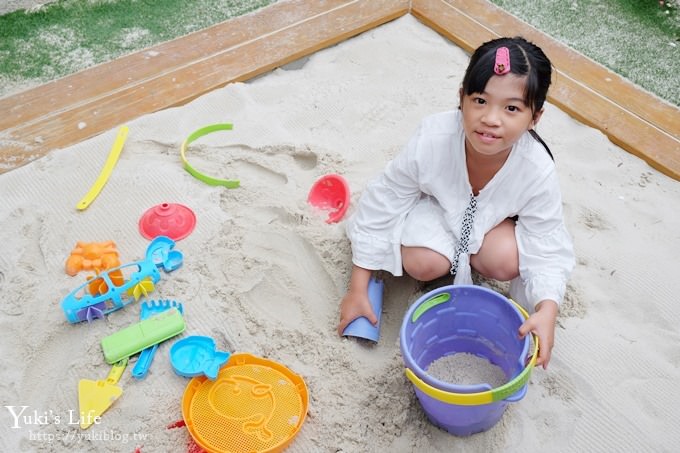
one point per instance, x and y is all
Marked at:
(354, 305)
(542, 323)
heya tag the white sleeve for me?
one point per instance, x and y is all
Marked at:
(546, 255)
(376, 226)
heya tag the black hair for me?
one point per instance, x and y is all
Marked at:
(526, 59)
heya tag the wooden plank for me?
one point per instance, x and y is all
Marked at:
(35, 131)
(660, 150)
(136, 68)
(632, 118)
(48, 117)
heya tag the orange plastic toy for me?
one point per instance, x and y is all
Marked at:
(254, 405)
(92, 256)
(98, 286)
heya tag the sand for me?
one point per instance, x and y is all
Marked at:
(263, 273)
(467, 369)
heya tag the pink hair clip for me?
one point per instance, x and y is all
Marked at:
(502, 64)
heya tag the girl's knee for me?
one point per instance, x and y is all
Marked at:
(502, 267)
(498, 258)
(424, 264)
(504, 272)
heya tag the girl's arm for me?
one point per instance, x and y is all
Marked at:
(546, 255)
(542, 323)
(356, 303)
(546, 259)
(374, 228)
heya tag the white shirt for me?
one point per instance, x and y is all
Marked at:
(433, 163)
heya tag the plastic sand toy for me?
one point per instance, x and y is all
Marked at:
(254, 405)
(111, 160)
(466, 319)
(173, 220)
(228, 183)
(197, 355)
(151, 308)
(362, 327)
(330, 193)
(92, 256)
(95, 397)
(115, 288)
(144, 334)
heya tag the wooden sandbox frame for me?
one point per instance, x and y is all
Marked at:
(40, 120)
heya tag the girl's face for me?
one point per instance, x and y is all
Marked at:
(495, 119)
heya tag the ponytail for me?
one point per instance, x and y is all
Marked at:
(540, 140)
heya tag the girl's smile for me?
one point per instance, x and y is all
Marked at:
(487, 137)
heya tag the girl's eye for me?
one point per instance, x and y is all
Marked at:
(513, 108)
(478, 101)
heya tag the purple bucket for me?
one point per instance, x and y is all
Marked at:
(465, 319)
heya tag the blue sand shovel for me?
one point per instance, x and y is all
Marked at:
(362, 327)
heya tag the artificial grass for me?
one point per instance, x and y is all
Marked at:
(70, 35)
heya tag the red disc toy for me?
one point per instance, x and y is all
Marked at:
(173, 220)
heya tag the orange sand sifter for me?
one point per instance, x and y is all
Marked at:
(254, 405)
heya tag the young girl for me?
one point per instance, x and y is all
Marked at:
(473, 188)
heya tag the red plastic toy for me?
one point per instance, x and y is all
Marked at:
(173, 220)
(330, 192)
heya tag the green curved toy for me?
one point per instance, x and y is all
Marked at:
(228, 183)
